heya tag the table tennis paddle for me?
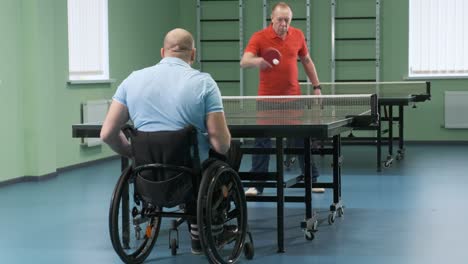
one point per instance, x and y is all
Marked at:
(271, 55)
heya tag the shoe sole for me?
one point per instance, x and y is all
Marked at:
(197, 252)
(318, 190)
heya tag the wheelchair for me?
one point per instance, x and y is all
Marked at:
(166, 173)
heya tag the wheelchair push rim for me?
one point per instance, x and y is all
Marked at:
(222, 228)
(132, 235)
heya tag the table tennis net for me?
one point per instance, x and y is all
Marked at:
(284, 107)
(382, 89)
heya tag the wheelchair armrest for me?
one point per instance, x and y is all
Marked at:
(162, 167)
(127, 129)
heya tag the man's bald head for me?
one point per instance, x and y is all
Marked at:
(179, 43)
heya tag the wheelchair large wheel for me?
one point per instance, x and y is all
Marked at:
(133, 234)
(221, 213)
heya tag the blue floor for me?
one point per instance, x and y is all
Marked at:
(414, 212)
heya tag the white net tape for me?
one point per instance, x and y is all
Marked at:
(297, 107)
(382, 89)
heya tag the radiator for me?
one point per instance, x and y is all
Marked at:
(456, 109)
(93, 112)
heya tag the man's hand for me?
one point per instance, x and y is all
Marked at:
(250, 60)
(111, 134)
(262, 63)
(317, 91)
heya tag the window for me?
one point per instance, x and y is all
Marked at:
(88, 44)
(438, 37)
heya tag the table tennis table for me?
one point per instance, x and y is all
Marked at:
(307, 117)
(390, 95)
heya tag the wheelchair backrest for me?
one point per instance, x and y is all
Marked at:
(160, 186)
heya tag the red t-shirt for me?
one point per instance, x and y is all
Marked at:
(281, 79)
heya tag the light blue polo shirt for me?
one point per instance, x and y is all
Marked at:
(170, 96)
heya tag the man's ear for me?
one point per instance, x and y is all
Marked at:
(192, 56)
(162, 53)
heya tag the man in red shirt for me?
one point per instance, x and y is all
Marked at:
(280, 79)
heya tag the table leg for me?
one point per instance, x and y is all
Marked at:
(280, 193)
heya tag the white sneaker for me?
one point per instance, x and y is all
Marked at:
(318, 190)
(252, 191)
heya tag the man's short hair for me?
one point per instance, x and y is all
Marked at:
(280, 4)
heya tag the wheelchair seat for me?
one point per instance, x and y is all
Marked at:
(166, 172)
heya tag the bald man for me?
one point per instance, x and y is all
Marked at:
(170, 96)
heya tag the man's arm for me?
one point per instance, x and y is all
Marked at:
(218, 132)
(111, 134)
(311, 72)
(249, 60)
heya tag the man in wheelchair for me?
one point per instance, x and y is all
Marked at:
(177, 116)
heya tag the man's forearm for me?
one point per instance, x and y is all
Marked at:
(248, 62)
(311, 72)
(221, 141)
(120, 145)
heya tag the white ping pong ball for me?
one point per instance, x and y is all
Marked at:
(275, 61)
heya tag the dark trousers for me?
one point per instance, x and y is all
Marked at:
(261, 162)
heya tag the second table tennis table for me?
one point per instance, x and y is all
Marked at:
(390, 95)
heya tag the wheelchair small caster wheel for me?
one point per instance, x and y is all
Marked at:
(309, 235)
(331, 218)
(173, 246)
(249, 251)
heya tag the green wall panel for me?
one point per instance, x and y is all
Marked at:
(220, 9)
(39, 91)
(355, 29)
(220, 30)
(229, 88)
(354, 7)
(222, 70)
(11, 93)
(355, 49)
(218, 50)
(346, 70)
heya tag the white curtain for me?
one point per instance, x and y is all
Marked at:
(88, 39)
(438, 38)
